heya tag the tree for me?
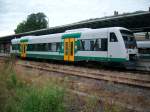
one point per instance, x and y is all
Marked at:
(33, 22)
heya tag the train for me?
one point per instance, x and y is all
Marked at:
(113, 45)
(144, 49)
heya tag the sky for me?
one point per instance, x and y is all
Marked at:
(61, 12)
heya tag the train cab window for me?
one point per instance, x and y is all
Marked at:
(113, 37)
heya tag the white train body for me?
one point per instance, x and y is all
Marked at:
(115, 44)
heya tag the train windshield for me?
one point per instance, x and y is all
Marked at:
(128, 38)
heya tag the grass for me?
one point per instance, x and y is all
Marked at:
(29, 91)
(18, 96)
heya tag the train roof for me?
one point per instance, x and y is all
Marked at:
(81, 30)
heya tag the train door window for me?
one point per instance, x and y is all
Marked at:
(66, 49)
(71, 49)
(24, 48)
(113, 37)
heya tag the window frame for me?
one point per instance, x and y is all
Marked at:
(114, 37)
(44, 47)
(94, 47)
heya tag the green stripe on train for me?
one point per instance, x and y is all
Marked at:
(43, 56)
(77, 58)
(72, 35)
(24, 40)
(105, 59)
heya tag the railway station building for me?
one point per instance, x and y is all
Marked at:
(137, 22)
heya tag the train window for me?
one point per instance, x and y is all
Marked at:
(35, 46)
(113, 37)
(58, 46)
(53, 47)
(92, 45)
(80, 45)
(104, 45)
(29, 47)
(97, 46)
(49, 46)
(15, 46)
(43, 47)
(87, 45)
(46, 46)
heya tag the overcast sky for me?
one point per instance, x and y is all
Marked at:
(61, 12)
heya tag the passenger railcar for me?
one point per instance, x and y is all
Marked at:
(113, 45)
(144, 49)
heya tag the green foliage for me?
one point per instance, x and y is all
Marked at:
(48, 99)
(33, 22)
(16, 96)
(32, 99)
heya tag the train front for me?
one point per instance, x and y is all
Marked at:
(131, 48)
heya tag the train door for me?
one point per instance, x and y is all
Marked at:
(69, 49)
(23, 50)
(71, 56)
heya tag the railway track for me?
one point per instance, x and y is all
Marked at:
(128, 78)
(117, 77)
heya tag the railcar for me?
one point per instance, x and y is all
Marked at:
(109, 45)
(144, 49)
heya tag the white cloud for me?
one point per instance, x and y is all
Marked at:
(62, 12)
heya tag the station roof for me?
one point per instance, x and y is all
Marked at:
(137, 22)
